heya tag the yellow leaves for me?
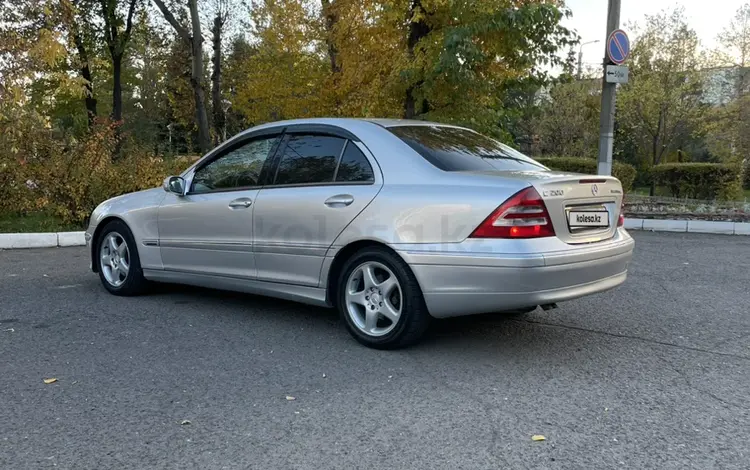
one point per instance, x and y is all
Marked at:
(538, 437)
(49, 48)
(50, 381)
(74, 86)
(69, 178)
(286, 76)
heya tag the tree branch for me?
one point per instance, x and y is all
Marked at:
(108, 29)
(125, 37)
(184, 34)
(129, 24)
(645, 122)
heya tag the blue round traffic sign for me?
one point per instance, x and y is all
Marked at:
(618, 46)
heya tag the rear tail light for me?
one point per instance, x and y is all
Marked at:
(621, 219)
(523, 215)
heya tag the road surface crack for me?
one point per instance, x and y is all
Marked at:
(684, 376)
(638, 338)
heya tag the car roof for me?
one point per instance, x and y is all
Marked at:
(389, 148)
(388, 122)
(347, 122)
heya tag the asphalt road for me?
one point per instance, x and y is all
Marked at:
(655, 374)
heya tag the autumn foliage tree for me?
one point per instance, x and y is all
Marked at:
(138, 71)
(442, 60)
(663, 102)
(193, 37)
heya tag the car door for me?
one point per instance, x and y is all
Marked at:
(209, 229)
(320, 184)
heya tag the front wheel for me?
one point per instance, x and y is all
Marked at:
(118, 262)
(380, 301)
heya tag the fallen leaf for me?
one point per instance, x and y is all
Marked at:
(50, 381)
(185, 422)
(538, 437)
(288, 398)
(11, 330)
(324, 376)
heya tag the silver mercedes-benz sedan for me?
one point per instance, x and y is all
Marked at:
(392, 222)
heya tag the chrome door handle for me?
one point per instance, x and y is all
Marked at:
(339, 200)
(240, 203)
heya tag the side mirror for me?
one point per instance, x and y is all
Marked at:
(174, 185)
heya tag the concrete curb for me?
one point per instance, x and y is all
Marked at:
(688, 226)
(10, 241)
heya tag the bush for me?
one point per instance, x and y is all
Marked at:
(699, 180)
(622, 171)
(746, 180)
(69, 178)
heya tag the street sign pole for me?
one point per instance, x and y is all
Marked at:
(607, 117)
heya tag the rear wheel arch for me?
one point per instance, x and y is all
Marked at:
(340, 260)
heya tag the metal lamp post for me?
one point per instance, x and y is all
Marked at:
(225, 105)
(169, 128)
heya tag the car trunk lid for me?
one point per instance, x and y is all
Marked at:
(582, 208)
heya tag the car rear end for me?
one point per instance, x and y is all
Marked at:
(558, 237)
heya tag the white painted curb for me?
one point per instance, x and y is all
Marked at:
(71, 239)
(9, 241)
(688, 226)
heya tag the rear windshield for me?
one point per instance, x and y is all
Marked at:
(454, 149)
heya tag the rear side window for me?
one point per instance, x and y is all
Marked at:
(354, 166)
(454, 149)
(309, 159)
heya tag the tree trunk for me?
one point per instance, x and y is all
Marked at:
(332, 19)
(417, 31)
(116, 88)
(86, 74)
(196, 79)
(117, 103)
(654, 149)
(218, 109)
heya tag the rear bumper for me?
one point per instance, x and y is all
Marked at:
(458, 283)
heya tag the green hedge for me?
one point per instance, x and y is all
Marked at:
(699, 180)
(746, 182)
(622, 171)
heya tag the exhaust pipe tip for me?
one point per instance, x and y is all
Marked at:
(546, 307)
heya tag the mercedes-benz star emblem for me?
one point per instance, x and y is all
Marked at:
(594, 189)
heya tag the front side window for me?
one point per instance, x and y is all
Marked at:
(456, 149)
(238, 168)
(309, 159)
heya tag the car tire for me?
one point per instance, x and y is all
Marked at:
(384, 301)
(119, 269)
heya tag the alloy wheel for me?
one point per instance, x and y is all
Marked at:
(115, 259)
(373, 298)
